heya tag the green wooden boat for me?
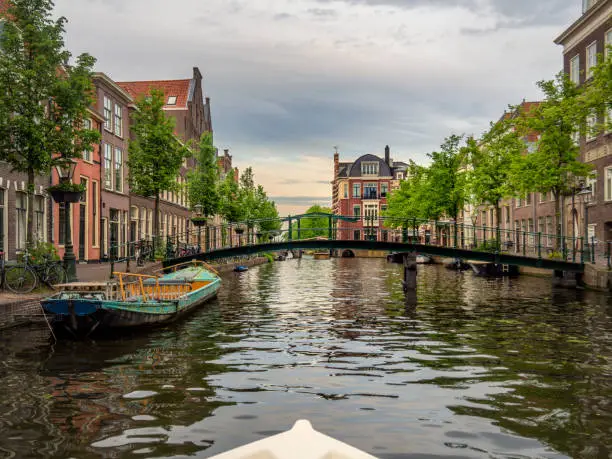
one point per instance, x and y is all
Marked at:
(133, 301)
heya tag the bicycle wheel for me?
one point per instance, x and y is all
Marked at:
(20, 279)
(55, 274)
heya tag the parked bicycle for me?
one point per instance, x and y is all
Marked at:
(48, 271)
(17, 278)
(144, 252)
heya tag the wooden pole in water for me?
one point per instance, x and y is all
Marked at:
(410, 272)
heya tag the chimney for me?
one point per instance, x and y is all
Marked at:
(336, 164)
(388, 155)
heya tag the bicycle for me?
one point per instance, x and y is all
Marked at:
(17, 278)
(144, 252)
(50, 272)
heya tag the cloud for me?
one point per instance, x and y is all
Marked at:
(289, 79)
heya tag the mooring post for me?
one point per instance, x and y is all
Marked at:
(410, 271)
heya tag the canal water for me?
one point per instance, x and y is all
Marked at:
(471, 367)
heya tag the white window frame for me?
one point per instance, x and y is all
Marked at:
(95, 239)
(607, 42)
(357, 206)
(591, 123)
(108, 171)
(591, 59)
(369, 168)
(118, 120)
(608, 183)
(87, 155)
(574, 69)
(118, 170)
(108, 114)
(345, 190)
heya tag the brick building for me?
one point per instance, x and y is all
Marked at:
(582, 42)
(85, 215)
(531, 213)
(360, 189)
(113, 103)
(185, 102)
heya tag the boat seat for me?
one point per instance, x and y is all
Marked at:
(166, 282)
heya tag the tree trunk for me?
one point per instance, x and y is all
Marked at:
(557, 196)
(30, 217)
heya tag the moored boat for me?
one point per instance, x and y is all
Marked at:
(301, 442)
(133, 301)
(321, 255)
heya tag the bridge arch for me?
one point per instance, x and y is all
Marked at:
(348, 253)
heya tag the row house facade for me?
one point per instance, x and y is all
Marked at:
(186, 104)
(84, 216)
(583, 43)
(531, 213)
(112, 185)
(360, 189)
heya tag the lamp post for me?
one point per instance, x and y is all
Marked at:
(198, 211)
(586, 193)
(65, 172)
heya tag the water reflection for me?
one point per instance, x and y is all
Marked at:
(467, 367)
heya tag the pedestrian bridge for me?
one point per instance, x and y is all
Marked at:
(339, 233)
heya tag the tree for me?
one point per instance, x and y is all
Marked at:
(247, 196)
(44, 99)
(446, 179)
(554, 165)
(411, 200)
(203, 182)
(230, 206)
(156, 155)
(490, 163)
(311, 227)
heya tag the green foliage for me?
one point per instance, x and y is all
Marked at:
(597, 95)
(269, 256)
(311, 227)
(491, 245)
(202, 183)
(431, 192)
(68, 187)
(41, 251)
(156, 155)
(44, 100)
(488, 178)
(230, 206)
(555, 164)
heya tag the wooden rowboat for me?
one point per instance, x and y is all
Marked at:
(301, 442)
(133, 301)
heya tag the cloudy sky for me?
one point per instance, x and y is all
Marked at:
(290, 79)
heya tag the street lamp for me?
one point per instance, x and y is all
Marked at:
(586, 193)
(197, 208)
(65, 172)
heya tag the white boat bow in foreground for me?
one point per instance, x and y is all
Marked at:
(301, 442)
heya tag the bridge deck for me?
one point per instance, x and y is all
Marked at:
(444, 251)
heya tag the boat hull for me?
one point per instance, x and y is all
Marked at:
(80, 317)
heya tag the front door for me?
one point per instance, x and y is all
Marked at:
(82, 231)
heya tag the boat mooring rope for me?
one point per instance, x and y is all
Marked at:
(47, 320)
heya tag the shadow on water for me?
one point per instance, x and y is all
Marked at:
(466, 367)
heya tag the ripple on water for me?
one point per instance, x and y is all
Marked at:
(478, 368)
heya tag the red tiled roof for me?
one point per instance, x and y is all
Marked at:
(171, 88)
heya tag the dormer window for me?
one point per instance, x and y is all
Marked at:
(400, 176)
(171, 100)
(369, 168)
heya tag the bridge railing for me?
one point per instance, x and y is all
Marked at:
(369, 228)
